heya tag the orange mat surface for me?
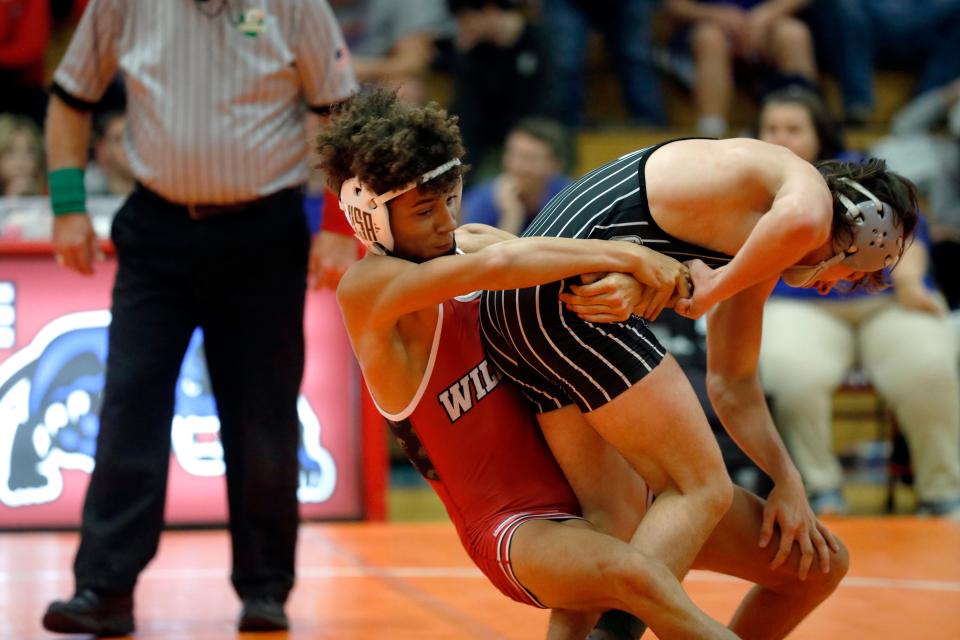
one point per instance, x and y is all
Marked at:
(413, 581)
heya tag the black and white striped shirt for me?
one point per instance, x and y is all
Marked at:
(217, 91)
(610, 203)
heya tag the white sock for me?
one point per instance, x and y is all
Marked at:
(712, 126)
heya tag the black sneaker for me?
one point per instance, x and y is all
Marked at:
(617, 625)
(262, 613)
(87, 612)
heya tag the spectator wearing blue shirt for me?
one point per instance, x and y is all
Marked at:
(900, 338)
(535, 158)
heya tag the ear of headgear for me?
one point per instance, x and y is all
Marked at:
(368, 214)
(876, 244)
(878, 237)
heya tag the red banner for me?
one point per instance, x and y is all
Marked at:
(53, 345)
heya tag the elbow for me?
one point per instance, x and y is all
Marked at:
(807, 227)
(498, 264)
(716, 390)
(723, 392)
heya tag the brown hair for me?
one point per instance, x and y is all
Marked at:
(889, 187)
(10, 126)
(388, 144)
(553, 134)
(829, 138)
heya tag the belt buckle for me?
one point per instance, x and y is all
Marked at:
(201, 211)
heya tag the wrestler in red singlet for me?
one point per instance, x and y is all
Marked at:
(472, 436)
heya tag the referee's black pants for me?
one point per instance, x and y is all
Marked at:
(241, 277)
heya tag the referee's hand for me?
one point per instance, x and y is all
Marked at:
(75, 244)
(330, 256)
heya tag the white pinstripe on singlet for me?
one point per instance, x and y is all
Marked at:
(570, 214)
(589, 363)
(214, 115)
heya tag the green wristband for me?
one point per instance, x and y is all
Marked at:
(67, 193)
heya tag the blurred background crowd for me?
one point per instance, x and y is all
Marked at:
(547, 89)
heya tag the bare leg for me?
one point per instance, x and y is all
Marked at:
(569, 566)
(780, 600)
(659, 427)
(790, 48)
(566, 623)
(612, 495)
(713, 58)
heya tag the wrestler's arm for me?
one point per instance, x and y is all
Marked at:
(799, 220)
(388, 288)
(793, 200)
(733, 350)
(474, 236)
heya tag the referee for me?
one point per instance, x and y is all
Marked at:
(214, 236)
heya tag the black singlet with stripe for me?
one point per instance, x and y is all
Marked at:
(555, 357)
(610, 203)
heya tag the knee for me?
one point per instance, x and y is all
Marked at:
(826, 583)
(785, 373)
(618, 513)
(791, 36)
(708, 39)
(636, 577)
(937, 378)
(819, 585)
(839, 565)
(713, 497)
(720, 495)
(620, 520)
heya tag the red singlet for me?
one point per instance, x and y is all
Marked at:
(473, 437)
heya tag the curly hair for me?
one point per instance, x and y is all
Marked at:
(889, 187)
(388, 144)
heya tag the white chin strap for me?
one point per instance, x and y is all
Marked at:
(806, 275)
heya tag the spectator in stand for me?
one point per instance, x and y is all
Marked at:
(392, 42)
(24, 34)
(22, 170)
(900, 338)
(920, 34)
(756, 32)
(499, 66)
(535, 161)
(932, 160)
(626, 27)
(109, 174)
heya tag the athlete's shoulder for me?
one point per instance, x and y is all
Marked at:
(365, 277)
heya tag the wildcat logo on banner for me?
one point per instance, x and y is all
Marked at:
(50, 396)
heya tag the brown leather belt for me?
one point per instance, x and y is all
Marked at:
(205, 211)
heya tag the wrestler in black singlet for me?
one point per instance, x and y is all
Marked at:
(554, 356)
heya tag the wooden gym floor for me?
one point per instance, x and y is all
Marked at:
(412, 580)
